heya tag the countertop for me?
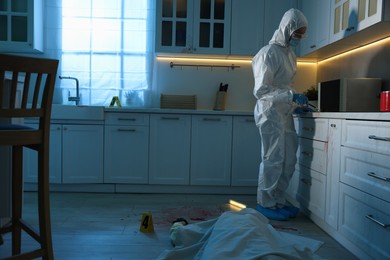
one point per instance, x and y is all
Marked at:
(377, 116)
(381, 116)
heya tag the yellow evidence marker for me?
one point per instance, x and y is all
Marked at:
(115, 100)
(146, 223)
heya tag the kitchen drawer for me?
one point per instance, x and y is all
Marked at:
(312, 128)
(365, 221)
(312, 154)
(367, 135)
(126, 119)
(311, 190)
(366, 171)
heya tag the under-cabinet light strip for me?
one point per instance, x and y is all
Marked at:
(235, 61)
(224, 61)
(361, 48)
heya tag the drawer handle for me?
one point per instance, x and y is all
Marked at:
(371, 217)
(127, 119)
(305, 181)
(378, 177)
(126, 130)
(212, 119)
(250, 120)
(386, 139)
(169, 118)
(310, 129)
(307, 154)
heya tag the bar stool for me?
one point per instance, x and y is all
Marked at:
(30, 99)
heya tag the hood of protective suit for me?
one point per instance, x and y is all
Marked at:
(292, 20)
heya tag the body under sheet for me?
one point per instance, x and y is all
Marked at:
(244, 234)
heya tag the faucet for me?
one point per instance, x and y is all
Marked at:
(77, 97)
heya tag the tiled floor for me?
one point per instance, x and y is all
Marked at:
(106, 226)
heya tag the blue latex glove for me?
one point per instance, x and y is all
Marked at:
(300, 99)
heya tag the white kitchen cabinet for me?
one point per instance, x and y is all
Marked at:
(76, 155)
(364, 220)
(82, 153)
(246, 152)
(365, 186)
(310, 177)
(193, 26)
(317, 13)
(247, 27)
(21, 26)
(333, 172)
(126, 146)
(30, 157)
(211, 145)
(170, 136)
(351, 16)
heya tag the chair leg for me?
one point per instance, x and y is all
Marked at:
(17, 197)
(44, 201)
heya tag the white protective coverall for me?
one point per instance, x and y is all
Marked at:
(274, 68)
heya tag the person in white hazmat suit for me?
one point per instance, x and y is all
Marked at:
(274, 68)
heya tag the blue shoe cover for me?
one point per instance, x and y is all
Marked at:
(273, 214)
(289, 211)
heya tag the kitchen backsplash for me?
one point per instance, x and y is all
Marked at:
(204, 82)
(368, 62)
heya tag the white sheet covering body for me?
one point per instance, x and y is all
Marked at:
(245, 234)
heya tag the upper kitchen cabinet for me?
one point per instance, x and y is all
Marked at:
(317, 13)
(247, 27)
(350, 16)
(21, 26)
(193, 26)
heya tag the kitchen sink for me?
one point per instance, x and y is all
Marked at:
(77, 112)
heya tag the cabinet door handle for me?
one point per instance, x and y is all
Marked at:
(378, 177)
(310, 129)
(126, 130)
(386, 139)
(126, 119)
(307, 153)
(332, 125)
(350, 28)
(305, 181)
(211, 119)
(169, 118)
(371, 217)
(313, 46)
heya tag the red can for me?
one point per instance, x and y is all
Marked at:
(385, 101)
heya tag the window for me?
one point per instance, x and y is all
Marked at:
(108, 46)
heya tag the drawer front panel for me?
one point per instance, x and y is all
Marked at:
(365, 220)
(366, 135)
(312, 154)
(127, 119)
(366, 171)
(311, 190)
(311, 128)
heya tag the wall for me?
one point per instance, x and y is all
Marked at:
(204, 81)
(371, 62)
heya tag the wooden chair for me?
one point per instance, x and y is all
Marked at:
(36, 95)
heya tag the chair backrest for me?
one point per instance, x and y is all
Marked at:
(27, 87)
